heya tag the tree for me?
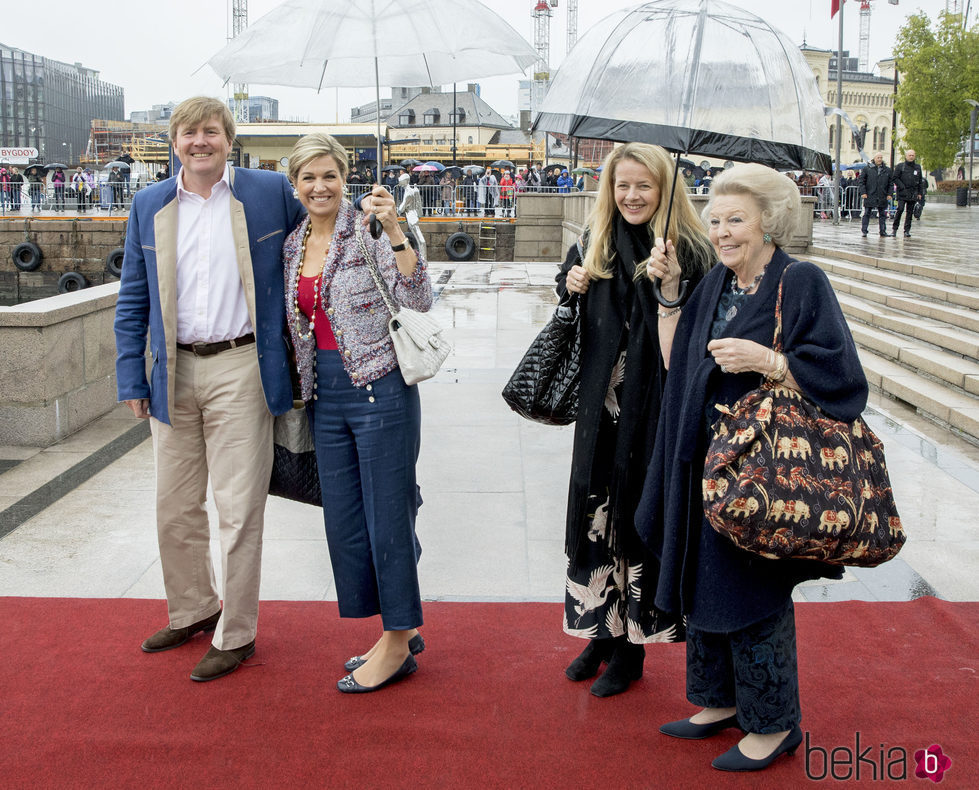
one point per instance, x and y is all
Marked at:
(938, 70)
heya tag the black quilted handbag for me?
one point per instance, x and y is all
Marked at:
(544, 386)
(295, 474)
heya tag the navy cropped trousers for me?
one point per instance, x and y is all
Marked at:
(367, 442)
(753, 670)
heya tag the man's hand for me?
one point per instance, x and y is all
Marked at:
(140, 407)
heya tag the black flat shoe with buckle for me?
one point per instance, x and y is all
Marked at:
(348, 685)
(416, 645)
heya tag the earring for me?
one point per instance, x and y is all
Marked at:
(295, 193)
(767, 238)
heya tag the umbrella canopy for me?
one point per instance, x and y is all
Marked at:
(474, 169)
(336, 43)
(120, 164)
(410, 162)
(388, 168)
(578, 171)
(504, 163)
(34, 170)
(319, 43)
(453, 170)
(437, 165)
(425, 169)
(720, 81)
(55, 166)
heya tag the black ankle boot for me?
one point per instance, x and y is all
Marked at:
(586, 665)
(624, 667)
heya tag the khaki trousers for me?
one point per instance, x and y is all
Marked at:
(220, 425)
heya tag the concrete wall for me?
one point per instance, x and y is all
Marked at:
(57, 365)
(539, 234)
(67, 245)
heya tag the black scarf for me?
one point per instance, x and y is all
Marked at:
(641, 391)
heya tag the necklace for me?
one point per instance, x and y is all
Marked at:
(316, 288)
(732, 311)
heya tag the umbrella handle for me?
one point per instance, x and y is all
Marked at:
(375, 227)
(681, 296)
(657, 282)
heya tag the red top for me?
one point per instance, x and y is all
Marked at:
(325, 341)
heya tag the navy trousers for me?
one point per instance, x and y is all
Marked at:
(753, 670)
(367, 442)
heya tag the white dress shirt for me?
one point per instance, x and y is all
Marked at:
(211, 302)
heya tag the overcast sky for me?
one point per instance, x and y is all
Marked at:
(152, 49)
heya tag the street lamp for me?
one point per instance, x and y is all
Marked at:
(972, 146)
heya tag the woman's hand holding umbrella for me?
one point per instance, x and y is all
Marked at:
(379, 204)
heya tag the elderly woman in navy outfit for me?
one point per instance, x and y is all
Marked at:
(741, 652)
(366, 421)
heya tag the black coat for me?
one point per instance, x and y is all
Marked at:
(703, 575)
(605, 309)
(909, 181)
(875, 182)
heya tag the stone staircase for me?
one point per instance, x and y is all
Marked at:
(917, 329)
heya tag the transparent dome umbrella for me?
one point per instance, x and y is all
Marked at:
(693, 76)
(339, 43)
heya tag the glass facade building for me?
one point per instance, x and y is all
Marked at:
(49, 105)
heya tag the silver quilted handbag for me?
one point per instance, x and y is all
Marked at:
(417, 337)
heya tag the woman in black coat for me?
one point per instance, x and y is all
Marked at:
(741, 658)
(611, 577)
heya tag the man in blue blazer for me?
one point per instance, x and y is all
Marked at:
(202, 275)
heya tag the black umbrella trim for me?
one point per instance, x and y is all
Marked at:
(782, 156)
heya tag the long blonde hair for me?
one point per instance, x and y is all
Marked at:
(694, 250)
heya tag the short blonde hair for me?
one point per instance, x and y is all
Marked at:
(193, 112)
(313, 146)
(776, 196)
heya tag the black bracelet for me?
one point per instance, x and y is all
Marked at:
(398, 247)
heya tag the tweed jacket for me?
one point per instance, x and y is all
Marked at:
(356, 310)
(262, 211)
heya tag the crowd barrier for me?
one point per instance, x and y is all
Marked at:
(97, 195)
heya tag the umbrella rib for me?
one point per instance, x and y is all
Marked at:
(593, 77)
(694, 74)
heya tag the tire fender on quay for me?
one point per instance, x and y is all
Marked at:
(113, 262)
(71, 282)
(27, 256)
(460, 247)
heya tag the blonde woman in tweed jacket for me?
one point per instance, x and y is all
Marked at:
(366, 421)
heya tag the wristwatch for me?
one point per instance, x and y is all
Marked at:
(398, 247)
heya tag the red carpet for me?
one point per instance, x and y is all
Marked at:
(82, 706)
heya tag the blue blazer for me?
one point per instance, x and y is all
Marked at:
(263, 211)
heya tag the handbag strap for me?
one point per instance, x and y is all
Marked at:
(777, 343)
(372, 268)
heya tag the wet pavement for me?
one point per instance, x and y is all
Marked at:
(77, 519)
(946, 237)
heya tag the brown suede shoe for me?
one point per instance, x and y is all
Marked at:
(218, 663)
(169, 638)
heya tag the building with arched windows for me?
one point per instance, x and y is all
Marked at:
(868, 99)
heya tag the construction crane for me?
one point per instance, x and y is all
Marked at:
(239, 21)
(864, 61)
(542, 43)
(572, 23)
